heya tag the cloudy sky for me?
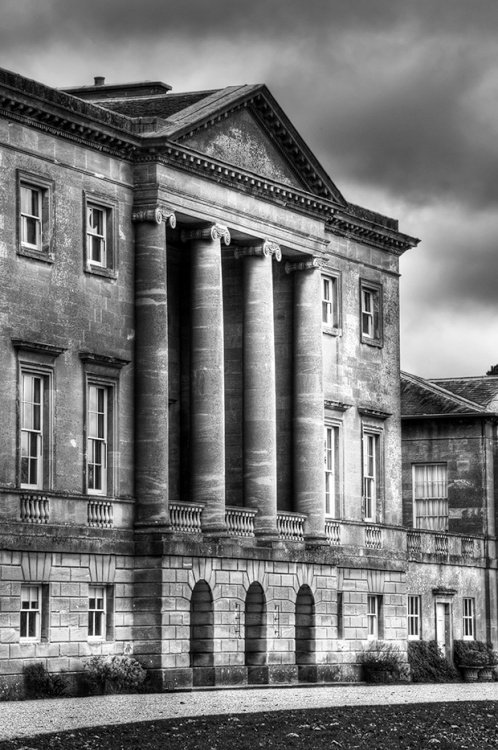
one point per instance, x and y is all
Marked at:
(398, 99)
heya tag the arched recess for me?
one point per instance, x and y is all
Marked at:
(202, 634)
(255, 634)
(305, 634)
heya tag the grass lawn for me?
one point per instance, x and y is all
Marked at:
(441, 726)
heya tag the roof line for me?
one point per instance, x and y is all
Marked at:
(440, 391)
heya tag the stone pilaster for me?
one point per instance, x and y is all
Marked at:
(207, 375)
(151, 370)
(260, 423)
(309, 476)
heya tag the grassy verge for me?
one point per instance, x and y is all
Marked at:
(442, 726)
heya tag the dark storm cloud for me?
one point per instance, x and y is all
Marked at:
(397, 98)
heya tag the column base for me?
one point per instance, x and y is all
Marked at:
(177, 679)
(203, 677)
(217, 530)
(230, 675)
(279, 674)
(316, 540)
(307, 673)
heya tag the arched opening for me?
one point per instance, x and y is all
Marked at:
(305, 635)
(255, 634)
(202, 635)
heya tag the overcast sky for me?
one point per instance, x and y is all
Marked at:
(398, 99)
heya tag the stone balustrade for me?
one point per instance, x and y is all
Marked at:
(443, 545)
(186, 517)
(373, 537)
(240, 521)
(100, 514)
(35, 508)
(333, 532)
(290, 526)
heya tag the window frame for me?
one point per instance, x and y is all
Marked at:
(333, 474)
(430, 499)
(468, 620)
(374, 622)
(41, 613)
(44, 456)
(372, 502)
(108, 482)
(414, 617)
(44, 187)
(331, 322)
(109, 209)
(105, 613)
(373, 336)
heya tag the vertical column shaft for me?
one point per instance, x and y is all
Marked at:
(260, 431)
(207, 376)
(309, 476)
(151, 373)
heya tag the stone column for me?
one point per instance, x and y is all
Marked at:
(208, 375)
(260, 421)
(309, 474)
(151, 366)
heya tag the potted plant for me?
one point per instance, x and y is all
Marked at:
(474, 659)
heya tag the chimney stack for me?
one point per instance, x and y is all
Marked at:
(99, 80)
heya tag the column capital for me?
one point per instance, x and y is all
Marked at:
(213, 232)
(266, 248)
(155, 214)
(303, 265)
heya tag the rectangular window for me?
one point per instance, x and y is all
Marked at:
(97, 438)
(99, 235)
(31, 217)
(96, 235)
(330, 303)
(371, 313)
(430, 496)
(97, 610)
(34, 423)
(34, 216)
(371, 466)
(332, 487)
(31, 613)
(469, 619)
(414, 615)
(374, 603)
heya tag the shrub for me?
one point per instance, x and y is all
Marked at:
(428, 665)
(382, 662)
(115, 674)
(39, 683)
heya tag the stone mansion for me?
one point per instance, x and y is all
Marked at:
(200, 401)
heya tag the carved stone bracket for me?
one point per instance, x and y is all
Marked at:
(303, 265)
(267, 249)
(213, 232)
(156, 214)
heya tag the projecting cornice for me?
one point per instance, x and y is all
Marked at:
(60, 114)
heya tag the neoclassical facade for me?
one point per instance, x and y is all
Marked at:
(201, 450)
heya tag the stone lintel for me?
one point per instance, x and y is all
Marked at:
(154, 213)
(37, 347)
(303, 265)
(265, 248)
(212, 232)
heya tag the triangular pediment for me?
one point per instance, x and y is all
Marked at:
(243, 126)
(240, 140)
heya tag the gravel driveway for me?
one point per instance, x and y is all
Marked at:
(27, 718)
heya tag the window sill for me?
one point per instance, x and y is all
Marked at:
(105, 273)
(378, 343)
(332, 330)
(40, 255)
